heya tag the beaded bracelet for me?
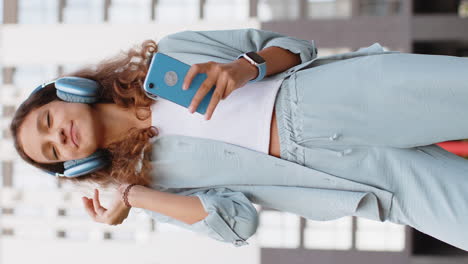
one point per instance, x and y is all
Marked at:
(126, 193)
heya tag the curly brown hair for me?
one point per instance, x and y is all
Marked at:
(121, 78)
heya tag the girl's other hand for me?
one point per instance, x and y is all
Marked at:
(114, 215)
(227, 77)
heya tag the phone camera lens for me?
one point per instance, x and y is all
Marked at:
(151, 85)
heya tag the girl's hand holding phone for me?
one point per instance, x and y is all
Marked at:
(114, 215)
(226, 76)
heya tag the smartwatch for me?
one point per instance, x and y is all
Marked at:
(256, 60)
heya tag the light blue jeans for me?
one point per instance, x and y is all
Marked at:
(374, 120)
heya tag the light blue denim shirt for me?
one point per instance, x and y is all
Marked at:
(229, 178)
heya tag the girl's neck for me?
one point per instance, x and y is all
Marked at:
(116, 121)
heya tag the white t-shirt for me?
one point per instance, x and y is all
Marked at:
(243, 118)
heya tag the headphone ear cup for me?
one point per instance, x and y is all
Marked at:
(77, 89)
(96, 161)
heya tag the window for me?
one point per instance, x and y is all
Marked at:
(83, 11)
(122, 235)
(226, 9)
(334, 234)
(37, 11)
(69, 68)
(25, 211)
(2, 128)
(27, 78)
(77, 234)
(1, 11)
(76, 212)
(329, 8)
(27, 176)
(129, 11)
(277, 10)
(378, 236)
(379, 7)
(278, 229)
(176, 11)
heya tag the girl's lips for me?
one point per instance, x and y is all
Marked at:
(74, 134)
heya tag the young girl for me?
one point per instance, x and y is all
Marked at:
(347, 134)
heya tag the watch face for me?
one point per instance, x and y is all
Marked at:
(254, 56)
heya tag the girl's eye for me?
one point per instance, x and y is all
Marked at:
(48, 125)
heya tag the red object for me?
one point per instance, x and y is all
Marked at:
(457, 147)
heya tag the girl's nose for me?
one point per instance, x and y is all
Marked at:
(58, 136)
(62, 136)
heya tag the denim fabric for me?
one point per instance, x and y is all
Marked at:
(380, 131)
(231, 216)
(352, 128)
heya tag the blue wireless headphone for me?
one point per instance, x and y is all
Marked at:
(78, 90)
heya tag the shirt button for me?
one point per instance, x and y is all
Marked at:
(238, 242)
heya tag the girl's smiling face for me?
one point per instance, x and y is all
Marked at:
(46, 132)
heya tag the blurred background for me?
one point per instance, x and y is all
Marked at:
(42, 221)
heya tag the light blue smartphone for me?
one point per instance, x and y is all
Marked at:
(165, 78)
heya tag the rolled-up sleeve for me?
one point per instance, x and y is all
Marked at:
(232, 218)
(228, 44)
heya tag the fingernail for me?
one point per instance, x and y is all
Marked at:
(184, 87)
(191, 109)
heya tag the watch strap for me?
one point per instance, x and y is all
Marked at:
(261, 69)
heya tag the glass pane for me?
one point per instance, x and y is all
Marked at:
(69, 68)
(1, 11)
(176, 11)
(278, 229)
(76, 212)
(130, 11)
(121, 235)
(84, 11)
(37, 11)
(77, 234)
(379, 236)
(277, 10)
(26, 176)
(329, 8)
(1, 175)
(24, 211)
(226, 9)
(379, 7)
(2, 128)
(334, 234)
(27, 78)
